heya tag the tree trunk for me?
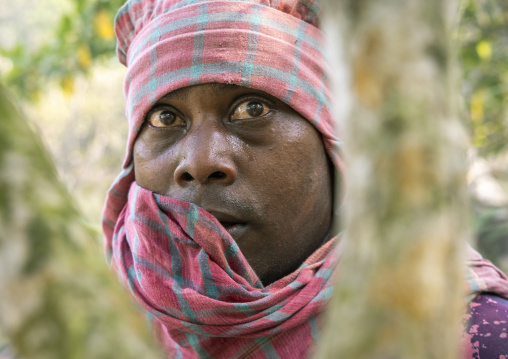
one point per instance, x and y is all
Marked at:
(400, 286)
(58, 299)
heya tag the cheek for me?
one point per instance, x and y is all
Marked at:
(153, 168)
(311, 181)
(297, 174)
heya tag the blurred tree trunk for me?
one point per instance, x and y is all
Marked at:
(58, 299)
(400, 286)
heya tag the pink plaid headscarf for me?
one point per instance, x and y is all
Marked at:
(200, 294)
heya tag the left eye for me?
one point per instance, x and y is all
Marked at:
(164, 118)
(250, 109)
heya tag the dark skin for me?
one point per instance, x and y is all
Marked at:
(248, 159)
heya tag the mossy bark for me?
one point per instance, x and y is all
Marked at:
(399, 287)
(58, 299)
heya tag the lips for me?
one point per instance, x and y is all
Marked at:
(233, 225)
(228, 225)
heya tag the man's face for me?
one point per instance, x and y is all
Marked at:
(248, 159)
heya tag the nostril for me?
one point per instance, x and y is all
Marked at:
(186, 176)
(217, 175)
(203, 173)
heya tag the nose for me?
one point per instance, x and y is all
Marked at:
(205, 158)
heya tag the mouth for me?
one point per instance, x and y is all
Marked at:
(228, 225)
(234, 226)
(235, 230)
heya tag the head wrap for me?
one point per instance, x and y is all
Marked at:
(200, 294)
(273, 46)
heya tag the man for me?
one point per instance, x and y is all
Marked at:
(220, 223)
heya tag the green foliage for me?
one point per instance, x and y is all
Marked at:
(81, 35)
(483, 37)
(491, 227)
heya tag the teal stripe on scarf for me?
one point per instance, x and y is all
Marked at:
(245, 308)
(176, 267)
(314, 331)
(278, 316)
(324, 273)
(267, 347)
(194, 342)
(131, 278)
(252, 44)
(192, 219)
(324, 294)
(274, 308)
(474, 284)
(315, 120)
(208, 280)
(148, 318)
(199, 43)
(231, 251)
(293, 79)
(152, 77)
(135, 243)
(116, 236)
(179, 354)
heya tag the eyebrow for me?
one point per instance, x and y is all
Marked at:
(180, 94)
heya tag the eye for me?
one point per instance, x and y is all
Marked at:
(250, 109)
(164, 118)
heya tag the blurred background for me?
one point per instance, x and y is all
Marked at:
(57, 57)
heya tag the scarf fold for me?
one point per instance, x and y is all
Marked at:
(483, 277)
(189, 275)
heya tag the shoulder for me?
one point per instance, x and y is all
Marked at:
(486, 328)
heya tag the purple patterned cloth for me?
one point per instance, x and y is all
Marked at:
(486, 328)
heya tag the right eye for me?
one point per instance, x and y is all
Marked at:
(250, 110)
(164, 118)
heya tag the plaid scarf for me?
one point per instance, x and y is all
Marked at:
(190, 276)
(200, 294)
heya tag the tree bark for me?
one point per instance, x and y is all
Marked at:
(58, 299)
(399, 286)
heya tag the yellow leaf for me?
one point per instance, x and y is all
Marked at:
(67, 85)
(477, 101)
(84, 56)
(35, 96)
(484, 50)
(480, 135)
(104, 25)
